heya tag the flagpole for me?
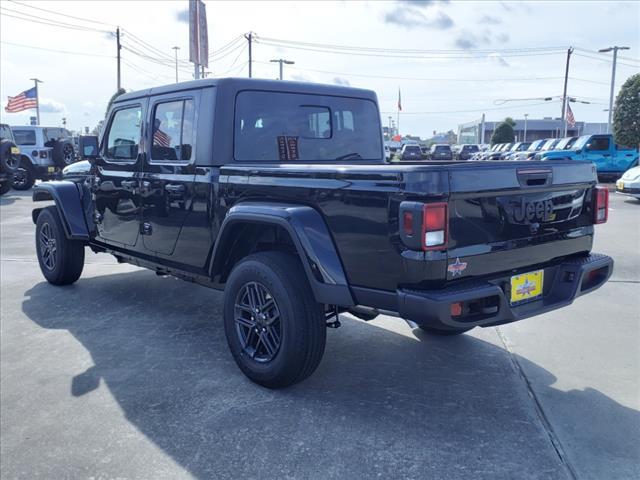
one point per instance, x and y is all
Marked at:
(36, 81)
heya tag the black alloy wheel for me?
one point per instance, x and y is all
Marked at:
(23, 178)
(257, 320)
(48, 247)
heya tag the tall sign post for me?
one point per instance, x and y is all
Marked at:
(198, 36)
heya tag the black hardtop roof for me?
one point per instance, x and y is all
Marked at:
(232, 85)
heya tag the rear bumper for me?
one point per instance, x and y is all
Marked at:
(563, 283)
(47, 172)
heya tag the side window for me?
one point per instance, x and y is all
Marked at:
(599, 143)
(173, 131)
(123, 137)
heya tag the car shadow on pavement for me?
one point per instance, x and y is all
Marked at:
(382, 403)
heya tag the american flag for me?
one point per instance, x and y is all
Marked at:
(161, 139)
(26, 100)
(571, 120)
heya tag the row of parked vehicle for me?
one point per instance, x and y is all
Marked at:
(30, 153)
(438, 151)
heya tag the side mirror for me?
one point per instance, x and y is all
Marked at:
(88, 147)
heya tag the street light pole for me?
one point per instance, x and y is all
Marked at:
(175, 49)
(525, 127)
(613, 78)
(282, 61)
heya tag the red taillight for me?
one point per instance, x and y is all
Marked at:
(407, 223)
(456, 309)
(600, 204)
(435, 226)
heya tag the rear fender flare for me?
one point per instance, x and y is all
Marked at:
(310, 236)
(69, 203)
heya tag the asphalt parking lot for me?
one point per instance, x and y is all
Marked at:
(127, 375)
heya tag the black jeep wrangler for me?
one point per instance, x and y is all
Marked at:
(9, 158)
(279, 194)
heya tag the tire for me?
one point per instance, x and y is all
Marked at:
(63, 153)
(8, 161)
(5, 186)
(296, 332)
(444, 331)
(61, 260)
(24, 177)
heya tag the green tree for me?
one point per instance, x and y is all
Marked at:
(503, 133)
(510, 121)
(119, 92)
(626, 114)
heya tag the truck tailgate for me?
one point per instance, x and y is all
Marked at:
(507, 216)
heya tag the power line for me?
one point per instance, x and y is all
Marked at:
(61, 14)
(475, 110)
(398, 50)
(57, 51)
(403, 56)
(45, 21)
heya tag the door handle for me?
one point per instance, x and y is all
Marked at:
(175, 189)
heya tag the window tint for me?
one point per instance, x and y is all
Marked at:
(442, 148)
(272, 126)
(55, 133)
(124, 134)
(412, 148)
(173, 131)
(599, 143)
(5, 133)
(25, 137)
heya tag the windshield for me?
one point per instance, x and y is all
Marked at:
(550, 144)
(24, 137)
(412, 149)
(277, 127)
(470, 148)
(581, 142)
(442, 148)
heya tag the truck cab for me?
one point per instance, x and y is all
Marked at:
(610, 159)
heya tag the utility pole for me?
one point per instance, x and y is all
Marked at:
(525, 127)
(249, 37)
(37, 81)
(613, 79)
(564, 93)
(482, 128)
(119, 47)
(175, 49)
(282, 61)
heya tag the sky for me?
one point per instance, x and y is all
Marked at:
(469, 58)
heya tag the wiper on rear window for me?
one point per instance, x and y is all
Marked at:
(355, 156)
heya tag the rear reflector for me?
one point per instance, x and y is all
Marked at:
(434, 226)
(456, 309)
(600, 204)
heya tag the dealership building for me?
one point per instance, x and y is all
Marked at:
(535, 130)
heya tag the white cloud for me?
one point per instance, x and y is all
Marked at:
(48, 105)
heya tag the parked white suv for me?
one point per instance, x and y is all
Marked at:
(44, 152)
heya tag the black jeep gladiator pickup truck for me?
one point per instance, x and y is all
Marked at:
(279, 194)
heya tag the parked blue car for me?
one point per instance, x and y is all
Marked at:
(609, 158)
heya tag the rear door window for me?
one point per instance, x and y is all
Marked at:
(173, 126)
(277, 127)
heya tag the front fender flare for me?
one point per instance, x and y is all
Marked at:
(69, 203)
(312, 241)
